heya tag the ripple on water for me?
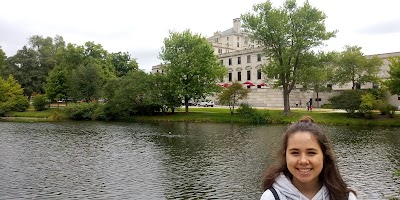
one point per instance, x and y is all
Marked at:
(96, 160)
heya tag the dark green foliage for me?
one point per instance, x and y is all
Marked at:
(81, 111)
(393, 81)
(327, 105)
(348, 100)
(20, 104)
(134, 94)
(123, 63)
(40, 102)
(4, 109)
(256, 116)
(386, 109)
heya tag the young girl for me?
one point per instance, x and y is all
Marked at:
(306, 168)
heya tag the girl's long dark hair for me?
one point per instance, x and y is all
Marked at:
(330, 175)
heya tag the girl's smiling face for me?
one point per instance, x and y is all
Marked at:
(304, 159)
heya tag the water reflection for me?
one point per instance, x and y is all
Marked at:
(96, 160)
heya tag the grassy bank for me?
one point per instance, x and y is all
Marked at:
(222, 115)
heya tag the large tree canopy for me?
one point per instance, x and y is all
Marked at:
(288, 34)
(393, 81)
(354, 67)
(31, 65)
(190, 65)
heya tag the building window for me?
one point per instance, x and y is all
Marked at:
(248, 59)
(238, 38)
(258, 73)
(219, 51)
(216, 40)
(329, 86)
(230, 61)
(238, 44)
(157, 70)
(239, 76)
(258, 86)
(239, 60)
(248, 75)
(227, 38)
(258, 57)
(230, 76)
(222, 62)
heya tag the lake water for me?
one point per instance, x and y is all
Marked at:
(104, 160)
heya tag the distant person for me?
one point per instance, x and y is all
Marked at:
(306, 167)
(308, 105)
(300, 103)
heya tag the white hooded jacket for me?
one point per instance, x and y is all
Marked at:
(287, 191)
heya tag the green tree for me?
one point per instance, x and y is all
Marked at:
(3, 61)
(319, 74)
(288, 34)
(57, 84)
(85, 82)
(11, 97)
(231, 95)
(25, 67)
(31, 65)
(134, 94)
(169, 96)
(353, 66)
(393, 81)
(191, 66)
(123, 63)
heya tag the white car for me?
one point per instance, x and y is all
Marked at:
(206, 104)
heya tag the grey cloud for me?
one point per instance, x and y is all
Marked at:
(385, 27)
(12, 37)
(146, 58)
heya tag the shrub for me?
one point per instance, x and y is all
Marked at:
(78, 111)
(367, 105)
(245, 110)
(327, 105)
(4, 109)
(255, 116)
(348, 100)
(20, 104)
(40, 102)
(386, 108)
(100, 112)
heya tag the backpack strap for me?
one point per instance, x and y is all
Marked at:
(272, 189)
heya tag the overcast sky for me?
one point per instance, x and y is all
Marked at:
(139, 27)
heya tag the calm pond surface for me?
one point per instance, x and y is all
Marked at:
(102, 160)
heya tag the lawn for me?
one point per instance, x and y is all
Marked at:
(222, 114)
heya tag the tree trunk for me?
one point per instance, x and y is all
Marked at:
(317, 100)
(186, 104)
(286, 105)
